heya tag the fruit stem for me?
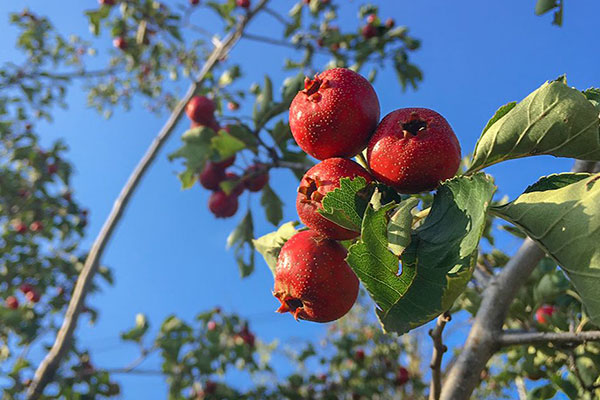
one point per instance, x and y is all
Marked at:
(360, 158)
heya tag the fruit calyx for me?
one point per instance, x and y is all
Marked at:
(311, 190)
(290, 304)
(312, 87)
(414, 125)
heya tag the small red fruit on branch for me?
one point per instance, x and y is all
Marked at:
(194, 2)
(120, 43)
(402, 376)
(107, 2)
(223, 205)
(239, 187)
(32, 296)
(12, 302)
(232, 106)
(312, 279)
(201, 110)
(359, 355)
(315, 184)
(413, 150)
(211, 176)
(25, 288)
(543, 314)
(389, 23)
(36, 226)
(368, 31)
(243, 3)
(52, 169)
(257, 176)
(20, 227)
(335, 114)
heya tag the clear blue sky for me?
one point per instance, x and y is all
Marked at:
(168, 255)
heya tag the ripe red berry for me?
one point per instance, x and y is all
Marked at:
(36, 226)
(228, 162)
(32, 296)
(368, 31)
(211, 176)
(107, 2)
(12, 302)
(335, 47)
(243, 3)
(201, 110)
(543, 314)
(315, 184)
(359, 355)
(402, 376)
(67, 196)
(211, 325)
(371, 18)
(210, 387)
(320, 42)
(312, 279)
(247, 336)
(194, 2)
(239, 187)
(223, 205)
(335, 114)
(232, 106)
(413, 150)
(26, 288)
(20, 227)
(120, 43)
(389, 23)
(52, 169)
(257, 176)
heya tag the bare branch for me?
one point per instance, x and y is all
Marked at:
(482, 341)
(47, 368)
(439, 349)
(567, 338)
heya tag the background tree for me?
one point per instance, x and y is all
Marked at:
(46, 274)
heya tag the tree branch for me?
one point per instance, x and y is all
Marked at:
(482, 341)
(518, 338)
(47, 368)
(439, 349)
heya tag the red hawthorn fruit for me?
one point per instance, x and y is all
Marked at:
(120, 43)
(60, 291)
(312, 279)
(25, 288)
(335, 47)
(20, 227)
(36, 226)
(107, 2)
(315, 184)
(320, 42)
(335, 114)
(210, 387)
(306, 1)
(359, 355)
(23, 193)
(12, 302)
(368, 31)
(543, 314)
(228, 162)
(232, 106)
(243, 3)
(413, 150)
(257, 177)
(240, 187)
(402, 376)
(211, 176)
(67, 196)
(32, 296)
(223, 205)
(248, 337)
(201, 110)
(389, 23)
(371, 19)
(52, 169)
(211, 325)
(194, 2)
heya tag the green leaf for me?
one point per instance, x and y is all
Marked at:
(270, 244)
(398, 229)
(501, 112)
(346, 205)
(565, 386)
(137, 333)
(272, 204)
(438, 262)
(563, 219)
(196, 150)
(226, 144)
(241, 239)
(555, 119)
(543, 6)
(245, 135)
(593, 95)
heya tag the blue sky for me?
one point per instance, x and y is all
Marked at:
(168, 254)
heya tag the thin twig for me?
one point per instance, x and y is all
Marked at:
(439, 348)
(566, 338)
(47, 368)
(277, 16)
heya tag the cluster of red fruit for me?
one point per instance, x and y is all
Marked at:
(374, 27)
(201, 111)
(334, 118)
(30, 294)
